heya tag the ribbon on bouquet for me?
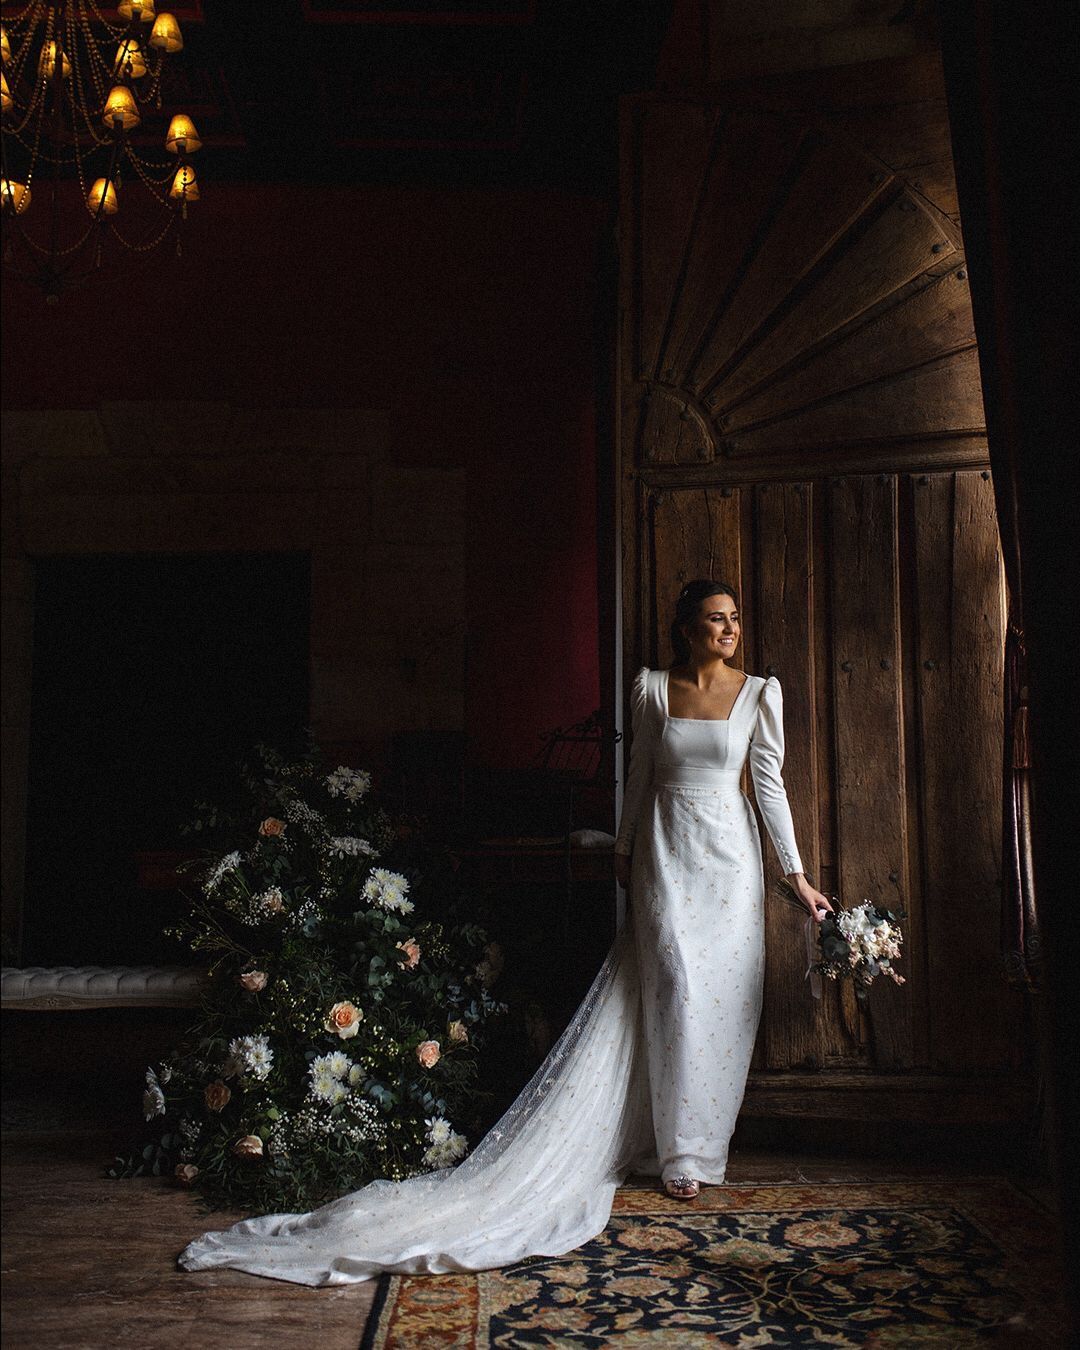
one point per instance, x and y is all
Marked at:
(787, 892)
(811, 956)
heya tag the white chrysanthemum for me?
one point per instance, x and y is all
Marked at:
(356, 1075)
(438, 1130)
(326, 1073)
(394, 899)
(348, 783)
(153, 1101)
(349, 846)
(338, 1063)
(446, 1153)
(249, 1054)
(388, 890)
(324, 1086)
(227, 864)
(261, 1061)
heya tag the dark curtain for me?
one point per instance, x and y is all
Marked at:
(1021, 948)
(982, 86)
(1012, 78)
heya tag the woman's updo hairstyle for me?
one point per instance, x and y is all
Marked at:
(686, 611)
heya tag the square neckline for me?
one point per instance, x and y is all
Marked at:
(731, 714)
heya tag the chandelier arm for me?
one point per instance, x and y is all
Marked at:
(155, 82)
(43, 154)
(46, 252)
(80, 168)
(58, 114)
(35, 149)
(31, 4)
(80, 107)
(96, 59)
(39, 83)
(148, 245)
(15, 66)
(114, 30)
(142, 169)
(31, 107)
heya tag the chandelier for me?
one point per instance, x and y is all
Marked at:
(75, 188)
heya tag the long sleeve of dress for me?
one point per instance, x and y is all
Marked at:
(640, 771)
(766, 761)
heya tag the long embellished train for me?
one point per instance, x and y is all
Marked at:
(541, 1181)
(649, 1075)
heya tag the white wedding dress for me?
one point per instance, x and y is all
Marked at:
(649, 1075)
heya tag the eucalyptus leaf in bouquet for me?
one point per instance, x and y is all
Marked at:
(856, 944)
(347, 999)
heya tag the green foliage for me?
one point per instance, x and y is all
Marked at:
(346, 1003)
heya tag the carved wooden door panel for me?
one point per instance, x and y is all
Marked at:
(800, 415)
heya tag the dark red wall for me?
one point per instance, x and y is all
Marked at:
(468, 315)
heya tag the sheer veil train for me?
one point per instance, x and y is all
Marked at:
(540, 1182)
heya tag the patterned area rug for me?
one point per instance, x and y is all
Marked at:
(937, 1263)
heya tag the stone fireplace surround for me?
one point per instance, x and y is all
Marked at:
(190, 477)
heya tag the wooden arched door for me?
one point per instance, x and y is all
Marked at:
(800, 414)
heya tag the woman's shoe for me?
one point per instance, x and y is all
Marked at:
(682, 1188)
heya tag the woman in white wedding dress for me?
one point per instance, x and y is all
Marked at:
(650, 1074)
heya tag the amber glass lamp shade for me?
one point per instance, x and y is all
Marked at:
(102, 199)
(130, 62)
(14, 196)
(136, 9)
(47, 61)
(6, 101)
(120, 112)
(5, 44)
(184, 187)
(182, 138)
(166, 34)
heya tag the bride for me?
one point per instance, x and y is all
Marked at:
(651, 1071)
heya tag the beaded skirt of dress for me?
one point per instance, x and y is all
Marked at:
(650, 1073)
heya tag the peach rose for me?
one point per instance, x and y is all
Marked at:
(428, 1053)
(253, 980)
(251, 1146)
(344, 1018)
(186, 1173)
(272, 828)
(458, 1033)
(411, 948)
(216, 1096)
(273, 901)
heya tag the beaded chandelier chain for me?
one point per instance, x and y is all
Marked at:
(75, 87)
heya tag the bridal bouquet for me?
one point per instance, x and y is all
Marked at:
(857, 944)
(346, 1000)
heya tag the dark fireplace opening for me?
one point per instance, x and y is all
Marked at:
(153, 676)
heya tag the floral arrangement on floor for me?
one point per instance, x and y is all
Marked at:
(346, 1002)
(857, 944)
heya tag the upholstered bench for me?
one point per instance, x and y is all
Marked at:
(59, 988)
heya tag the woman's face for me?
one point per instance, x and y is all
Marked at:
(716, 631)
